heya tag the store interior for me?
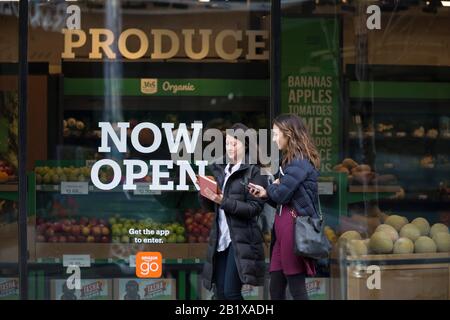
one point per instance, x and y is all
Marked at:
(390, 141)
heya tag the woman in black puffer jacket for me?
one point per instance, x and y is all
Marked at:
(235, 251)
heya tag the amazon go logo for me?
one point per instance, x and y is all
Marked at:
(148, 265)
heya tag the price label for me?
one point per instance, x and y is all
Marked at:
(132, 261)
(325, 188)
(143, 189)
(81, 260)
(74, 188)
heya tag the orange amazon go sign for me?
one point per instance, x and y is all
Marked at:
(148, 265)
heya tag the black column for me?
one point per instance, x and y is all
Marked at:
(23, 102)
(275, 62)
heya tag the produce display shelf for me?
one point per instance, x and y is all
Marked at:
(408, 139)
(387, 167)
(373, 189)
(417, 201)
(187, 253)
(92, 188)
(119, 251)
(9, 187)
(94, 262)
(366, 193)
(443, 257)
(9, 192)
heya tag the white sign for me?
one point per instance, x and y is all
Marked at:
(325, 188)
(81, 260)
(74, 187)
(132, 261)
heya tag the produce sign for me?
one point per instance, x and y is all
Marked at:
(100, 41)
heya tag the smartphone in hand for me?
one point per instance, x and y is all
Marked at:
(252, 189)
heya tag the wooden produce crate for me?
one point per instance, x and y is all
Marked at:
(401, 277)
(9, 241)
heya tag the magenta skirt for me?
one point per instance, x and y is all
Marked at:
(283, 257)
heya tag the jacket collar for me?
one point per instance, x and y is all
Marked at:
(218, 165)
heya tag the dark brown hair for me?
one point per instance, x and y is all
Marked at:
(299, 142)
(240, 126)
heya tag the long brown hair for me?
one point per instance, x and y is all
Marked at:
(299, 142)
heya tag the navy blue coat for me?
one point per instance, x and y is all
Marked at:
(297, 188)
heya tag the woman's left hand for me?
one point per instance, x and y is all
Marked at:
(215, 197)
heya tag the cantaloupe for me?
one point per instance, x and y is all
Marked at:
(403, 246)
(410, 231)
(367, 243)
(356, 247)
(381, 242)
(383, 217)
(442, 240)
(396, 221)
(349, 235)
(424, 245)
(389, 230)
(438, 227)
(423, 226)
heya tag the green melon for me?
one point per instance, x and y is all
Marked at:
(367, 243)
(356, 247)
(349, 235)
(390, 230)
(396, 221)
(438, 227)
(410, 231)
(442, 240)
(424, 245)
(423, 226)
(381, 242)
(403, 246)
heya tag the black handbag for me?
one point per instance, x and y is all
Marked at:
(309, 236)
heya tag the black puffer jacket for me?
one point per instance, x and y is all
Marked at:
(242, 211)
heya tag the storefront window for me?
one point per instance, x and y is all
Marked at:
(9, 147)
(109, 79)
